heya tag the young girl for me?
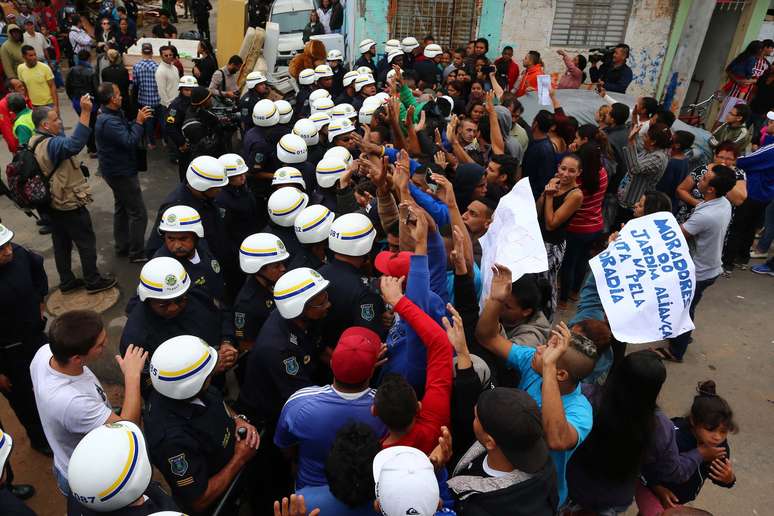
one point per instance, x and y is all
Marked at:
(704, 430)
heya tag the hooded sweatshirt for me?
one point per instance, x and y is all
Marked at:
(10, 53)
(512, 146)
(466, 180)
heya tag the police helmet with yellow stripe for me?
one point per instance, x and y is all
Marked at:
(5, 235)
(180, 366)
(261, 249)
(295, 288)
(351, 234)
(288, 176)
(234, 163)
(265, 113)
(206, 172)
(181, 219)
(328, 170)
(163, 278)
(291, 149)
(307, 130)
(285, 204)
(109, 468)
(313, 224)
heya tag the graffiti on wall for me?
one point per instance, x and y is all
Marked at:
(646, 65)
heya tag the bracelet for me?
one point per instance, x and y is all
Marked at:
(242, 417)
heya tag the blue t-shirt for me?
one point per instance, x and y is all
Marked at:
(320, 497)
(577, 409)
(311, 418)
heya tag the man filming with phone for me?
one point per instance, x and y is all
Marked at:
(614, 74)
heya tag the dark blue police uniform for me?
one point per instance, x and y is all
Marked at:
(252, 307)
(354, 302)
(241, 217)
(362, 61)
(246, 105)
(287, 235)
(305, 258)
(158, 501)
(206, 275)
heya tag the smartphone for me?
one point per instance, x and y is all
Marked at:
(488, 69)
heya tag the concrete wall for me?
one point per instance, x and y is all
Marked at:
(527, 26)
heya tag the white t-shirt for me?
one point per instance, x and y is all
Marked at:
(69, 406)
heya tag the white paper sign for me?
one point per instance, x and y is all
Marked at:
(646, 280)
(513, 238)
(544, 89)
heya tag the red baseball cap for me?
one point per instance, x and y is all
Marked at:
(393, 264)
(355, 355)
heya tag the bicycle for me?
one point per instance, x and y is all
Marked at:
(694, 114)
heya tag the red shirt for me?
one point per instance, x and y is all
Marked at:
(588, 218)
(6, 124)
(529, 79)
(436, 410)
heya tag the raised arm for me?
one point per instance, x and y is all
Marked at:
(560, 434)
(488, 327)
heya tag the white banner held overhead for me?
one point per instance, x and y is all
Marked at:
(513, 238)
(646, 280)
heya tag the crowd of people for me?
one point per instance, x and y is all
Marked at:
(308, 333)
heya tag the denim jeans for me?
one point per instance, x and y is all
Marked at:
(61, 482)
(575, 262)
(768, 235)
(151, 123)
(679, 344)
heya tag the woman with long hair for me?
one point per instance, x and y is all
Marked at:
(741, 71)
(324, 14)
(603, 472)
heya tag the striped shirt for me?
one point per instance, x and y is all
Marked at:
(588, 218)
(144, 78)
(644, 170)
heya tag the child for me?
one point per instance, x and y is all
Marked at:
(601, 115)
(705, 428)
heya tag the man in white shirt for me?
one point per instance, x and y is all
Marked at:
(70, 398)
(167, 77)
(36, 40)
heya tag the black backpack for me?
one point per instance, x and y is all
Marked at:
(26, 181)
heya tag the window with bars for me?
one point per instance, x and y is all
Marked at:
(590, 23)
(451, 22)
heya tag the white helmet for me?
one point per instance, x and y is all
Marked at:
(163, 278)
(344, 111)
(285, 111)
(338, 127)
(313, 224)
(187, 81)
(322, 71)
(182, 218)
(110, 468)
(288, 176)
(328, 171)
(180, 366)
(206, 172)
(409, 43)
(235, 165)
(324, 105)
(5, 235)
(432, 50)
(391, 44)
(335, 55)
(307, 76)
(367, 111)
(307, 130)
(320, 119)
(365, 70)
(366, 45)
(295, 288)
(261, 249)
(350, 77)
(319, 94)
(392, 54)
(254, 79)
(390, 74)
(6, 444)
(265, 113)
(291, 149)
(285, 204)
(363, 80)
(352, 234)
(339, 152)
(383, 97)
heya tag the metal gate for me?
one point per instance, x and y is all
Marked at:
(451, 22)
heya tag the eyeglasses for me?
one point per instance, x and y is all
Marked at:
(166, 303)
(322, 303)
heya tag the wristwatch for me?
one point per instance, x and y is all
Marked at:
(242, 417)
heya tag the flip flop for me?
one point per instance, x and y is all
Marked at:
(666, 354)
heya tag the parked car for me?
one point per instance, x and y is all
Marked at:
(291, 16)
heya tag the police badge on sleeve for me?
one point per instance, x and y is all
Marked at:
(178, 465)
(215, 266)
(239, 320)
(291, 366)
(367, 312)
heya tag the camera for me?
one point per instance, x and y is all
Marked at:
(605, 54)
(487, 69)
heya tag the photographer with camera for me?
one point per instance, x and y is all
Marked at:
(202, 128)
(613, 74)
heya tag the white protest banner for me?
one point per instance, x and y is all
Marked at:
(544, 89)
(513, 238)
(646, 280)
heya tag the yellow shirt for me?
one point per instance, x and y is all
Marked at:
(36, 79)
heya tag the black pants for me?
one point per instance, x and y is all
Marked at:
(16, 366)
(741, 232)
(679, 345)
(203, 26)
(74, 227)
(130, 218)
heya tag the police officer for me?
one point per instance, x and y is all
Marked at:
(312, 227)
(329, 170)
(288, 176)
(323, 78)
(110, 473)
(321, 121)
(201, 127)
(347, 94)
(307, 131)
(169, 307)
(173, 128)
(257, 89)
(306, 79)
(183, 234)
(384, 65)
(23, 288)
(291, 150)
(285, 111)
(257, 150)
(354, 302)
(336, 63)
(196, 442)
(365, 86)
(262, 257)
(10, 504)
(367, 50)
(284, 206)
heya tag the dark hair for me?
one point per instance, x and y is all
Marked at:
(651, 106)
(625, 47)
(581, 62)
(459, 50)
(39, 114)
(348, 467)
(105, 93)
(723, 179)
(74, 333)
(532, 292)
(619, 112)
(235, 59)
(742, 110)
(590, 155)
(16, 102)
(535, 55)
(26, 48)
(661, 135)
(664, 116)
(84, 55)
(728, 146)
(163, 12)
(710, 410)
(768, 43)
(395, 402)
(166, 47)
(506, 47)
(510, 101)
(656, 201)
(624, 419)
(485, 42)
(383, 131)
(544, 120)
(753, 49)
(469, 109)
(366, 187)
(597, 331)
(684, 140)
(508, 165)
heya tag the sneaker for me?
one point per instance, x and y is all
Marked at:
(104, 283)
(138, 258)
(742, 266)
(727, 272)
(44, 230)
(762, 269)
(754, 253)
(71, 285)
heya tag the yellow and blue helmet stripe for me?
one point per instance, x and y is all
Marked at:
(204, 175)
(292, 208)
(330, 170)
(250, 251)
(316, 222)
(188, 221)
(354, 235)
(3, 439)
(126, 472)
(186, 372)
(151, 285)
(294, 290)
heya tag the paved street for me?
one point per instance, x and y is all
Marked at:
(734, 344)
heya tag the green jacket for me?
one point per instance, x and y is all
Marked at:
(23, 128)
(11, 57)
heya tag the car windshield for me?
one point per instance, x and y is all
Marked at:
(291, 21)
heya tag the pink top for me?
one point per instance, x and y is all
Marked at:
(572, 78)
(588, 218)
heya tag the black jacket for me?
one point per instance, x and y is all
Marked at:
(337, 16)
(80, 81)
